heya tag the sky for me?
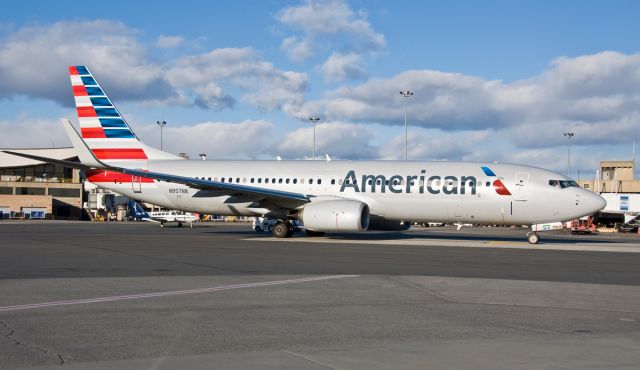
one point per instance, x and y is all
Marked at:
(492, 80)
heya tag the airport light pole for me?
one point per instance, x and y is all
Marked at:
(405, 95)
(568, 135)
(161, 124)
(314, 120)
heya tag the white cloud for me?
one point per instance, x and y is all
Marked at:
(245, 139)
(331, 17)
(34, 61)
(436, 145)
(597, 95)
(337, 26)
(30, 132)
(265, 86)
(168, 42)
(338, 139)
(341, 67)
(297, 49)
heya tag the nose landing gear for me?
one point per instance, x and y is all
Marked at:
(533, 238)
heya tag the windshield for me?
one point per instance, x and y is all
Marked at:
(564, 184)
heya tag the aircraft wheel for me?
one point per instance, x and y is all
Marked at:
(533, 238)
(312, 233)
(282, 230)
(290, 231)
(162, 224)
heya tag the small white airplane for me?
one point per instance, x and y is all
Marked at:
(326, 196)
(161, 217)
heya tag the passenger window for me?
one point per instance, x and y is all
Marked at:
(302, 180)
(209, 178)
(244, 180)
(279, 181)
(319, 181)
(266, 181)
(488, 183)
(259, 180)
(273, 180)
(215, 179)
(238, 180)
(222, 180)
(252, 180)
(295, 181)
(310, 181)
(287, 181)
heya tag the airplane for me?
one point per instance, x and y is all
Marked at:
(325, 196)
(161, 217)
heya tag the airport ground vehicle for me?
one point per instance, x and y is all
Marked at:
(261, 224)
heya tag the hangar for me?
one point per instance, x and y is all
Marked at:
(34, 189)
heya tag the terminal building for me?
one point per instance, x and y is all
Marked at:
(33, 189)
(616, 183)
(613, 177)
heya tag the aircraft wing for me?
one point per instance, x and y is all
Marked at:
(60, 162)
(222, 188)
(282, 199)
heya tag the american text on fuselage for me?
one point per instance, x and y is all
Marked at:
(433, 184)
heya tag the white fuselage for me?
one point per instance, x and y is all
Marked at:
(172, 216)
(406, 191)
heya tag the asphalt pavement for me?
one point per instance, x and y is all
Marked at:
(133, 295)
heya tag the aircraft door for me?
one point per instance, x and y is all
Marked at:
(136, 184)
(522, 185)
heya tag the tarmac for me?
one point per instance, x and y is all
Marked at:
(84, 295)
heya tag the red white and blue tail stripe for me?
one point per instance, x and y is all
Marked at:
(102, 126)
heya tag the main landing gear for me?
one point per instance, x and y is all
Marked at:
(283, 229)
(533, 237)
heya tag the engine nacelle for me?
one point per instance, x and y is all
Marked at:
(382, 224)
(335, 215)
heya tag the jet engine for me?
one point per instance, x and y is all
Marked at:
(335, 215)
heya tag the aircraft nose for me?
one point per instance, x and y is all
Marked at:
(594, 202)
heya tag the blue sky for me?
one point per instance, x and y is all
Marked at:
(494, 81)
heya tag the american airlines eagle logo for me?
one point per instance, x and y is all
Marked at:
(497, 183)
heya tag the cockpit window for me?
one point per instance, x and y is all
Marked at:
(563, 183)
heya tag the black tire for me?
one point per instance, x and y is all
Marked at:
(290, 231)
(258, 229)
(281, 230)
(270, 228)
(312, 233)
(533, 238)
(179, 224)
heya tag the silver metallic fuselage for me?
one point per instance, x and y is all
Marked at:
(414, 198)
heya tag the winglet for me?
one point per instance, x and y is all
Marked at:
(82, 150)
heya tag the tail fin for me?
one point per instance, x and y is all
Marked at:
(102, 127)
(136, 211)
